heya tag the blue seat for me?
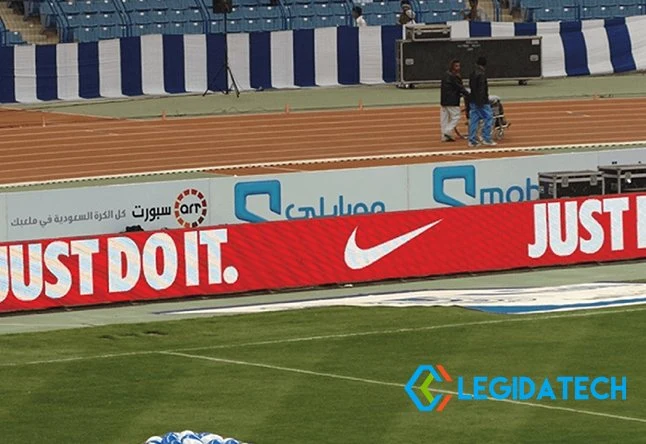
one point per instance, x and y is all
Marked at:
(193, 14)
(177, 16)
(630, 2)
(87, 7)
(159, 17)
(321, 9)
(533, 4)
(234, 26)
(128, 5)
(374, 8)
(248, 2)
(15, 38)
(251, 26)
(455, 16)
(323, 22)
(141, 18)
(108, 19)
(630, 10)
(341, 20)
(302, 11)
(270, 24)
(424, 6)
(544, 15)
(106, 6)
(587, 13)
(377, 19)
(136, 30)
(458, 5)
(271, 12)
(235, 14)
(303, 23)
(142, 5)
(108, 32)
(154, 28)
(441, 6)
(89, 20)
(567, 14)
(194, 28)
(174, 29)
(250, 13)
(87, 34)
(303, 2)
(70, 8)
(589, 3)
(216, 26)
(437, 17)
(609, 11)
(393, 6)
(158, 5)
(338, 9)
(181, 4)
(74, 21)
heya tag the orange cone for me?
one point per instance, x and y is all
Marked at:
(287, 108)
(360, 105)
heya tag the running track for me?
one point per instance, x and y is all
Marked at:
(37, 146)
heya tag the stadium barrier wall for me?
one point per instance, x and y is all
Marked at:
(170, 64)
(96, 210)
(313, 252)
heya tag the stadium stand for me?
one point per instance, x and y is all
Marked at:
(570, 10)
(92, 20)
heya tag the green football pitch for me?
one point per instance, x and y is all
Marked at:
(332, 375)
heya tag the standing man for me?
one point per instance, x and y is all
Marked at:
(475, 13)
(451, 91)
(357, 15)
(479, 105)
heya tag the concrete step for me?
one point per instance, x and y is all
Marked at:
(30, 28)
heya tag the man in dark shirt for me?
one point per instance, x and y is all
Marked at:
(479, 105)
(451, 91)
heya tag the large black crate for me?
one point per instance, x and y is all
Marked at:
(570, 184)
(426, 61)
(624, 178)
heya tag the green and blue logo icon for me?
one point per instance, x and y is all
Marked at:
(435, 373)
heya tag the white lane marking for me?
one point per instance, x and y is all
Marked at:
(296, 162)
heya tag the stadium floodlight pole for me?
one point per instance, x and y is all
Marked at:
(226, 69)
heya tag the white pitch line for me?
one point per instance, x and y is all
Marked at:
(78, 358)
(391, 384)
(296, 162)
(324, 337)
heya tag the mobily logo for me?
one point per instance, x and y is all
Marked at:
(467, 174)
(516, 388)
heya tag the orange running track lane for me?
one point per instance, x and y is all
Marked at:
(37, 146)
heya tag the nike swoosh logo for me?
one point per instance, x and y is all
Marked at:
(357, 258)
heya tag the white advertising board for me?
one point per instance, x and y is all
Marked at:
(310, 195)
(109, 209)
(229, 200)
(511, 179)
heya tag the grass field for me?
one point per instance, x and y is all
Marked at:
(319, 376)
